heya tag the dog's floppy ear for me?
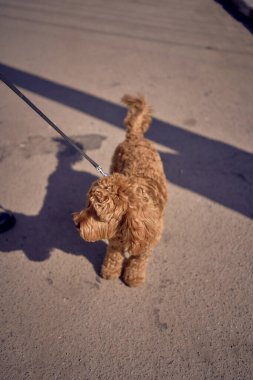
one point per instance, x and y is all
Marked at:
(102, 202)
(141, 226)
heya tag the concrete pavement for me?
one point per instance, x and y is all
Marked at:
(193, 317)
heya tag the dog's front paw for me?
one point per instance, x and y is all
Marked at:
(110, 273)
(133, 279)
(111, 269)
(135, 272)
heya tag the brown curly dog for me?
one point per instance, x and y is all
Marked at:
(127, 207)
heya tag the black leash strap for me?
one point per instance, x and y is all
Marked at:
(41, 114)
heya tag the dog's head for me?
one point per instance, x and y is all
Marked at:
(107, 204)
(118, 206)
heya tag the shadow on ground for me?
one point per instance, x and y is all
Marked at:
(52, 228)
(233, 10)
(215, 170)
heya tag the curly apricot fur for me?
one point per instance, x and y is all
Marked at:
(127, 207)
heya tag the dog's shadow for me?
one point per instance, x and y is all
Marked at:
(38, 235)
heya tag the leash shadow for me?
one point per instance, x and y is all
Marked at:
(52, 228)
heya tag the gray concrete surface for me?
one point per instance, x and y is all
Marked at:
(193, 317)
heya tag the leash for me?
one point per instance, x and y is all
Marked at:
(53, 125)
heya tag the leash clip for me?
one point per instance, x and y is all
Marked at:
(100, 170)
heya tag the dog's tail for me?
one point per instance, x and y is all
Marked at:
(138, 116)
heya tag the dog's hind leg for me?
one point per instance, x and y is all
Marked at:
(113, 261)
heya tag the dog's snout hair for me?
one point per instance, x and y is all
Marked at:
(90, 226)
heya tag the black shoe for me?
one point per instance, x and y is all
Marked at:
(7, 220)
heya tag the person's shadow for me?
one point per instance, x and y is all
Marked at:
(53, 228)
